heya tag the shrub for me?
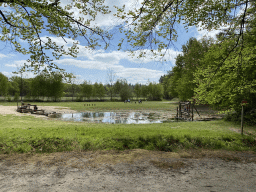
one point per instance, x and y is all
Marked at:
(249, 117)
(16, 97)
(9, 98)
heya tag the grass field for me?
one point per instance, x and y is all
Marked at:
(25, 134)
(103, 106)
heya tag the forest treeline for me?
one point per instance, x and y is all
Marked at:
(53, 88)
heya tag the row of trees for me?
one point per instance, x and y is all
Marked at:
(53, 87)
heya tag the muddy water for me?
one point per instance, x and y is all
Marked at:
(111, 117)
(124, 117)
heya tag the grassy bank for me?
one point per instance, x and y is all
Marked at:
(24, 134)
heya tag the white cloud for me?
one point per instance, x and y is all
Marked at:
(170, 55)
(2, 55)
(140, 75)
(7, 74)
(25, 74)
(132, 75)
(114, 57)
(19, 63)
(10, 65)
(7, 55)
(89, 64)
(106, 20)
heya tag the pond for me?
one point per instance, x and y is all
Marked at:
(114, 117)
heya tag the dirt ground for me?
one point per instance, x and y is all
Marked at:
(11, 110)
(130, 170)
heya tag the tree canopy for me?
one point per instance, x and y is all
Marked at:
(198, 74)
(31, 20)
(151, 25)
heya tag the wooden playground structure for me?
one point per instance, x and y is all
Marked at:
(185, 111)
(25, 108)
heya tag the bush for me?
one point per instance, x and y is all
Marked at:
(16, 97)
(9, 98)
(249, 117)
(235, 117)
(27, 97)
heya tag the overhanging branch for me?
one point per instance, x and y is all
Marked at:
(5, 19)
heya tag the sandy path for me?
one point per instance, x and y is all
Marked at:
(11, 110)
(131, 170)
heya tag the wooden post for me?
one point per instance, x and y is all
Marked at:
(242, 120)
(180, 110)
(192, 110)
(177, 113)
(242, 116)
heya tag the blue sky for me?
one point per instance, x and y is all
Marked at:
(93, 65)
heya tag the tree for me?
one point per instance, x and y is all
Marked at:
(137, 90)
(101, 91)
(86, 89)
(165, 81)
(155, 91)
(14, 85)
(98, 90)
(182, 75)
(55, 86)
(144, 91)
(230, 78)
(111, 78)
(117, 86)
(95, 90)
(28, 19)
(39, 86)
(125, 91)
(71, 82)
(122, 88)
(27, 88)
(3, 85)
(234, 80)
(177, 74)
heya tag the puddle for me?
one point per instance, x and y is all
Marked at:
(113, 117)
(126, 117)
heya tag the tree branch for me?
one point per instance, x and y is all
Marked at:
(240, 35)
(40, 41)
(5, 19)
(141, 9)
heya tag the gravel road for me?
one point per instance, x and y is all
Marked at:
(131, 170)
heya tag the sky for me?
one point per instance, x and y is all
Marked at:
(93, 65)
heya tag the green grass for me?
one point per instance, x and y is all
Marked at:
(105, 106)
(23, 134)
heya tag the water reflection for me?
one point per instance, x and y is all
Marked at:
(112, 117)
